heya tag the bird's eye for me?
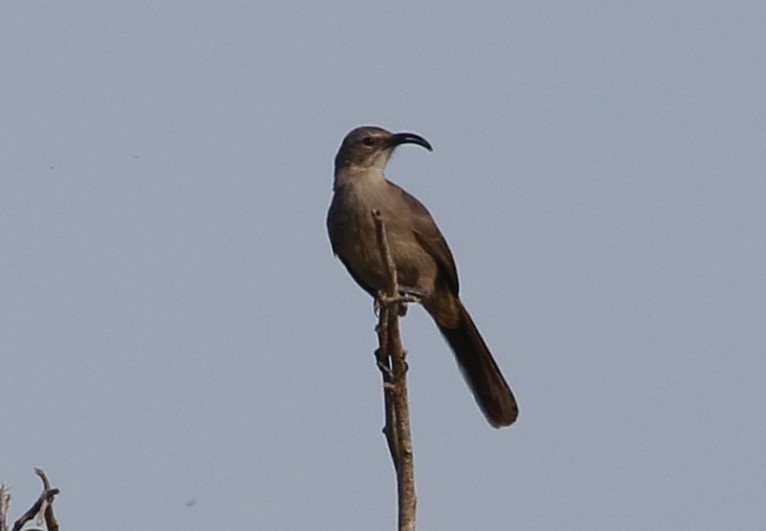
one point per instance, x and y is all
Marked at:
(368, 141)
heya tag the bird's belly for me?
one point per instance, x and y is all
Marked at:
(362, 253)
(357, 245)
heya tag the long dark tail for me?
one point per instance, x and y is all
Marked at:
(482, 374)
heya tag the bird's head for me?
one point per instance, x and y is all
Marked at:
(370, 147)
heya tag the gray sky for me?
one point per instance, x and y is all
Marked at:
(174, 326)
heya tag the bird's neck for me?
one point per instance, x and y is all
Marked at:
(355, 177)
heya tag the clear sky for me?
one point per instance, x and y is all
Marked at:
(179, 349)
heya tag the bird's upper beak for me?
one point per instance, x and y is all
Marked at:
(408, 138)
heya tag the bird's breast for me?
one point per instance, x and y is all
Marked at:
(353, 235)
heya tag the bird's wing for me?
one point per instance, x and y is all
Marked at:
(430, 237)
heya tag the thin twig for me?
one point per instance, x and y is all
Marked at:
(391, 359)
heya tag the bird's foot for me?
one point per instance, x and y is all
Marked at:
(406, 296)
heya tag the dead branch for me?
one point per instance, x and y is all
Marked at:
(43, 507)
(5, 503)
(393, 367)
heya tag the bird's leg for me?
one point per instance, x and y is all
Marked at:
(406, 296)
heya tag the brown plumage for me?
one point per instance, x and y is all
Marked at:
(421, 255)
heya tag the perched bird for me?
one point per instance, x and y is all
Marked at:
(423, 261)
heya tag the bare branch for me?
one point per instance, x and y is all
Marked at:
(5, 503)
(391, 358)
(43, 505)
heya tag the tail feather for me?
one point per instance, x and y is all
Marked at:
(489, 388)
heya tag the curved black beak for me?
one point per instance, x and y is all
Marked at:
(408, 138)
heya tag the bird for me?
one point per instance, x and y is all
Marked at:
(423, 260)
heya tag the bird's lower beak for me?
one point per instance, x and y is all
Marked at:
(408, 138)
